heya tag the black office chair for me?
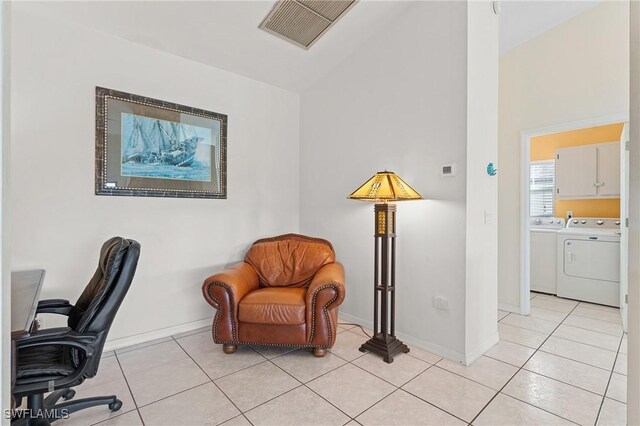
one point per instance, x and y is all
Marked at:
(56, 359)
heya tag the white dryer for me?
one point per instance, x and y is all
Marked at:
(588, 265)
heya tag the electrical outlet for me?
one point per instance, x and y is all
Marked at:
(441, 303)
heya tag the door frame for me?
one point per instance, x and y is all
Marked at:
(625, 179)
(525, 161)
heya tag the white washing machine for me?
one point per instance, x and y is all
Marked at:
(589, 261)
(543, 258)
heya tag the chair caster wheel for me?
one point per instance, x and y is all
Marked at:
(68, 394)
(115, 405)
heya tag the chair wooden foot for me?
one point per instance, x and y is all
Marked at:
(319, 352)
(229, 349)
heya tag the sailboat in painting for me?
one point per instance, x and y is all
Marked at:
(165, 143)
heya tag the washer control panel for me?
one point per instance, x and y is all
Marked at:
(547, 222)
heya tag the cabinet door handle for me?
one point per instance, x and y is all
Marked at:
(598, 184)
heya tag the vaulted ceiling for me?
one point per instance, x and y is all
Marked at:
(225, 34)
(521, 21)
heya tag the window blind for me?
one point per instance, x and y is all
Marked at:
(542, 182)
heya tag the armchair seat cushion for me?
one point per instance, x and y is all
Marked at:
(43, 361)
(274, 305)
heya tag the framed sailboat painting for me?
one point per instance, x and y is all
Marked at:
(151, 148)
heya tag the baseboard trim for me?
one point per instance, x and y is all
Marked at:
(123, 342)
(422, 344)
(509, 308)
(482, 349)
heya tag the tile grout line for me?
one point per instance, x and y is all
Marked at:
(172, 395)
(560, 337)
(209, 377)
(592, 330)
(135, 403)
(520, 369)
(271, 399)
(295, 378)
(305, 384)
(587, 344)
(399, 388)
(615, 361)
(427, 402)
(558, 380)
(112, 417)
(574, 360)
(541, 409)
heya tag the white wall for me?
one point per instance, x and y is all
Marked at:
(633, 361)
(5, 253)
(570, 73)
(399, 103)
(58, 223)
(482, 189)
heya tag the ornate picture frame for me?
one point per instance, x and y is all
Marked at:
(146, 147)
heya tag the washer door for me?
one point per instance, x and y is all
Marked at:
(592, 259)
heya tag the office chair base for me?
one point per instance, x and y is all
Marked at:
(42, 411)
(229, 349)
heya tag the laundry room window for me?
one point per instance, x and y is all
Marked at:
(542, 182)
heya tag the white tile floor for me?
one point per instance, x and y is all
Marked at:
(564, 364)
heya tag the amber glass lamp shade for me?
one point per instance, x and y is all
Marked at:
(384, 187)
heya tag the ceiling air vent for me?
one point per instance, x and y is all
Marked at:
(303, 22)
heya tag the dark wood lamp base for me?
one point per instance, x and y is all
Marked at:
(386, 348)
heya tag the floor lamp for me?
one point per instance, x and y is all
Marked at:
(382, 188)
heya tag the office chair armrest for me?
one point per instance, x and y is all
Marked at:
(54, 306)
(63, 336)
(329, 279)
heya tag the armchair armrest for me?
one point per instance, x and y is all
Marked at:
(330, 278)
(54, 306)
(224, 291)
(325, 293)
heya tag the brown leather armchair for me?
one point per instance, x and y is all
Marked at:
(285, 293)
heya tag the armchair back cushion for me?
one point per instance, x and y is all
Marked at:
(289, 260)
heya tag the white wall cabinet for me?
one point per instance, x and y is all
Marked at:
(609, 169)
(591, 171)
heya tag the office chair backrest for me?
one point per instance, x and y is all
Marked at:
(102, 296)
(96, 307)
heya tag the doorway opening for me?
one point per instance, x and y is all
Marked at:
(575, 172)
